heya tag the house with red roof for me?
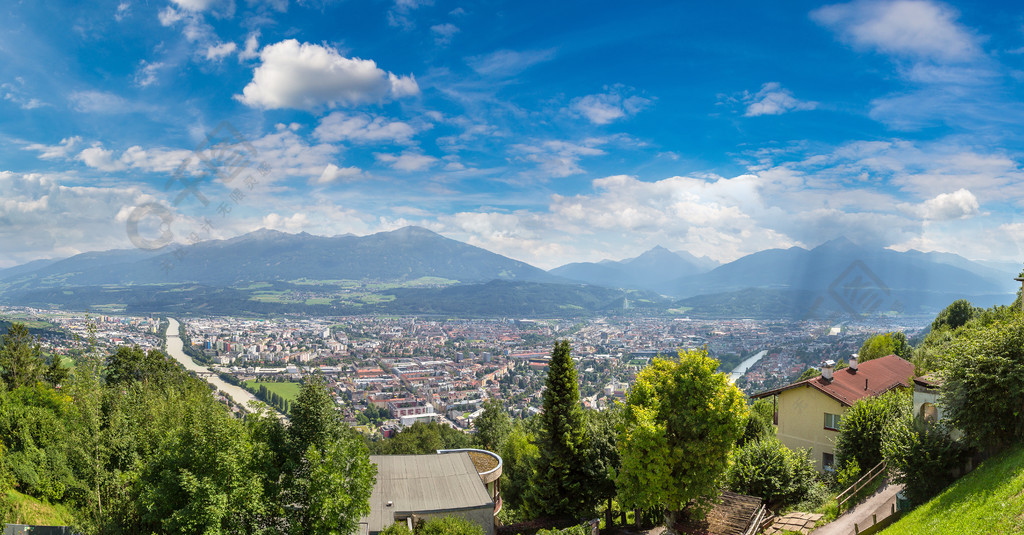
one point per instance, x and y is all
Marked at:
(808, 413)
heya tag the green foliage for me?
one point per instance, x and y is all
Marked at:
(860, 433)
(768, 469)
(983, 381)
(580, 529)
(132, 364)
(809, 373)
(602, 460)
(881, 345)
(759, 423)
(562, 487)
(398, 528)
(422, 438)
(21, 362)
(680, 424)
(519, 455)
(958, 313)
(448, 525)
(921, 456)
(848, 473)
(340, 482)
(492, 426)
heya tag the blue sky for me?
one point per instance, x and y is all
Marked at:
(546, 131)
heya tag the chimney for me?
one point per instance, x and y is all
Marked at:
(853, 363)
(826, 370)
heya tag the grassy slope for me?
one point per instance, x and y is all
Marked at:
(988, 500)
(288, 391)
(21, 509)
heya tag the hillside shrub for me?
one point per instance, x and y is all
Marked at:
(769, 469)
(860, 432)
(922, 456)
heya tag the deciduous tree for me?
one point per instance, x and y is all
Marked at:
(682, 420)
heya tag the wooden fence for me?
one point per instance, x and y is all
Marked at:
(865, 480)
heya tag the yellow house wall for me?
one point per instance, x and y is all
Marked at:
(802, 421)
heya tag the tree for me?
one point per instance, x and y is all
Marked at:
(448, 525)
(492, 426)
(329, 474)
(562, 488)
(958, 313)
(921, 455)
(681, 422)
(881, 345)
(132, 364)
(860, 432)
(759, 423)
(20, 357)
(769, 469)
(519, 454)
(56, 374)
(983, 381)
(422, 438)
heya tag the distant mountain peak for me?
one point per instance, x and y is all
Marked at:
(842, 242)
(411, 231)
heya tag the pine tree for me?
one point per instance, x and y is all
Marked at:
(20, 357)
(563, 487)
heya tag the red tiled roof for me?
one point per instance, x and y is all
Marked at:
(872, 378)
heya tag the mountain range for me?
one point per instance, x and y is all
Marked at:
(413, 270)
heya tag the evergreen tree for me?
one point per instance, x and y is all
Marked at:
(20, 357)
(563, 487)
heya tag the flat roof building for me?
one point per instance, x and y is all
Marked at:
(413, 487)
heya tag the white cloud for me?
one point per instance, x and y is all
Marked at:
(100, 102)
(333, 172)
(363, 128)
(443, 33)
(220, 51)
(196, 5)
(123, 10)
(407, 161)
(309, 76)
(507, 63)
(101, 159)
(43, 215)
(146, 74)
(62, 150)
(400, 14)
(16, 93)
(251, 50)
(773, 99)
(559, 158)
(168, 16)
(296, 222)
(604, 108)
(915, 28)
(961, 204)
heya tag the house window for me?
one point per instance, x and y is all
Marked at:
(832, 421)
(827, 460)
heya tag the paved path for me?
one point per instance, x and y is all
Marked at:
(174, 349)
(879, 504)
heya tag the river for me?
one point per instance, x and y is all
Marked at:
(738, 371)
(174, 349)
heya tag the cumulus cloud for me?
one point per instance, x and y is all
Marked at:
(62, 150)
(333, 172)
(362, 128)
(42, 214)
(960, 204)
(309, 76)
(407, 161)
(773, 99)
(220, 51)
(293, 223)
(101, 159)
(607, 107)
(913, 28)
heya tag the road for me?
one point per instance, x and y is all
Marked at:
(174, 349)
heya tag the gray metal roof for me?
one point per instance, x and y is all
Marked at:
(423, 484)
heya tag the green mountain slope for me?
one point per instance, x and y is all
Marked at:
(988, 500)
